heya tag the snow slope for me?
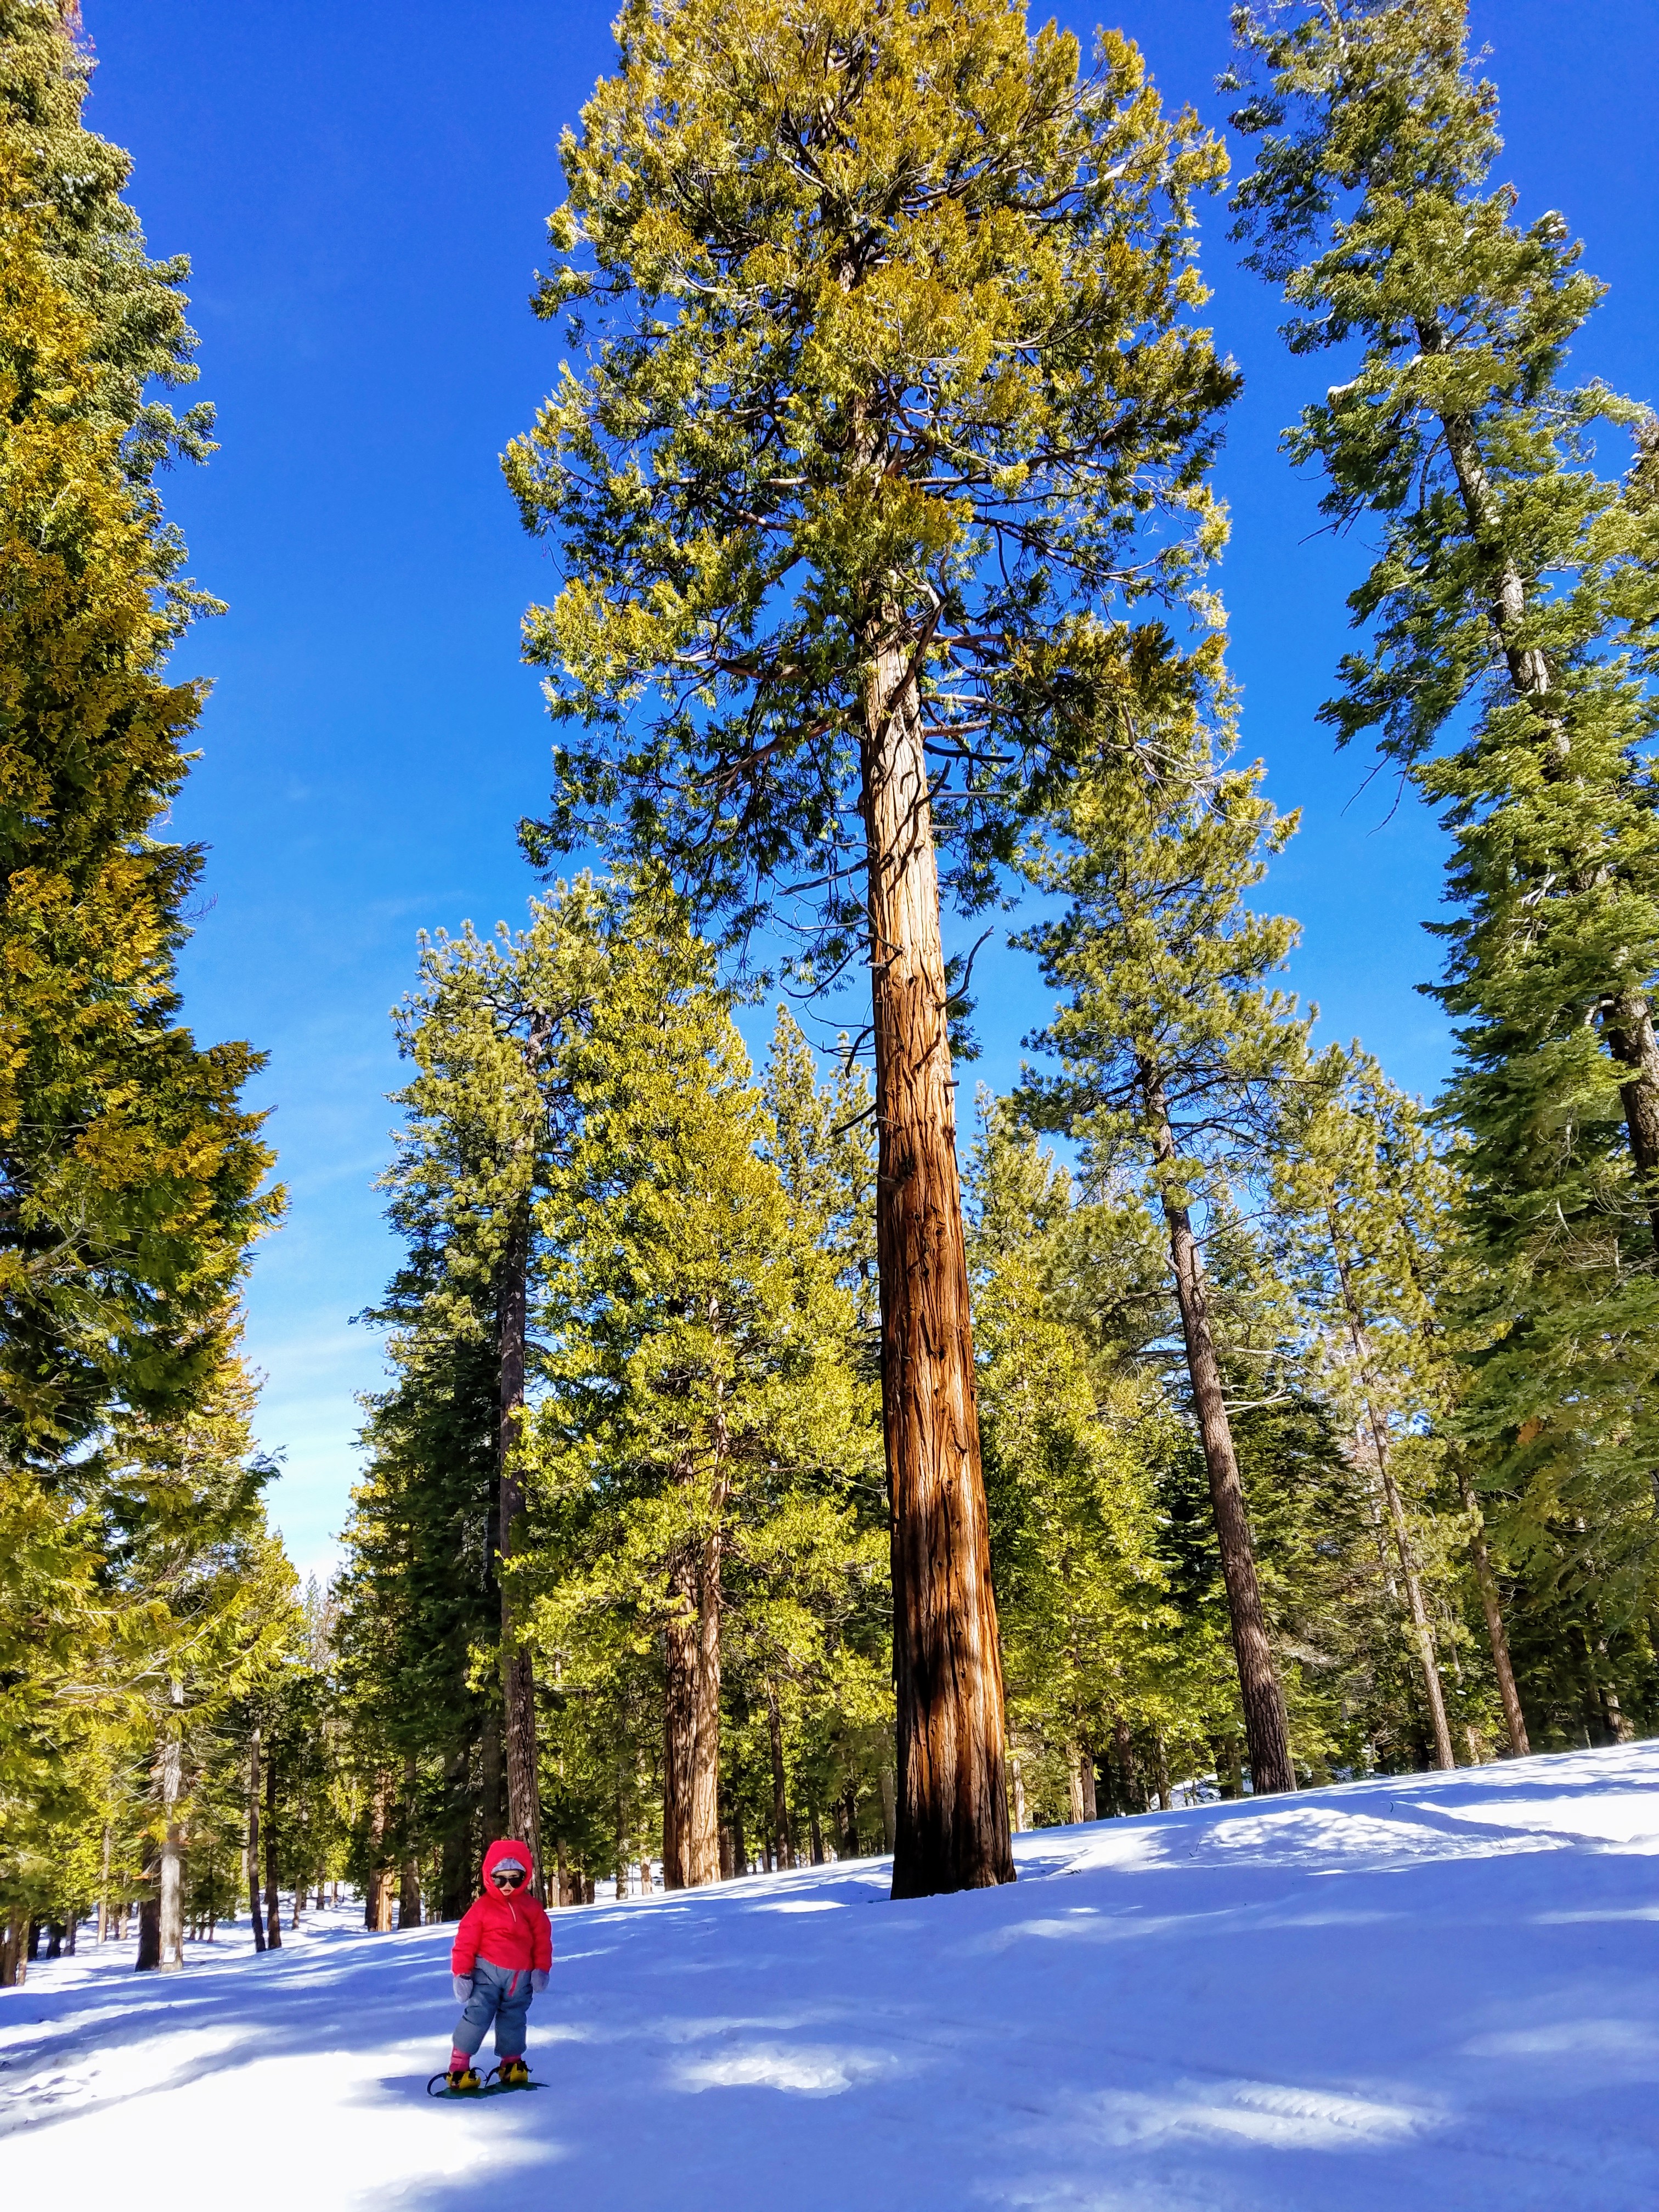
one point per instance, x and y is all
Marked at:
(1423, 1994)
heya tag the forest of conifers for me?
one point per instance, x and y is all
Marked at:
(805, 1457)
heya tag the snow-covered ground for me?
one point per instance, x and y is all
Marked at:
(1422, 1995)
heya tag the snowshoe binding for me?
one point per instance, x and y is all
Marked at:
(511, 2074)
(457, 2082)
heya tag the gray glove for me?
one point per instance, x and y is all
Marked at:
(537, 1980)
(462, 1986)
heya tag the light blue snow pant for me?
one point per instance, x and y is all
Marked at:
(501, 1993)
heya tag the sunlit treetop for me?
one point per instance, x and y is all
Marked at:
(879, 321)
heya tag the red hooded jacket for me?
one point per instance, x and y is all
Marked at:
(507, 1928)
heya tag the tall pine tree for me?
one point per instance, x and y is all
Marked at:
(1173, 1040)
(889, 377)
(1507, 618)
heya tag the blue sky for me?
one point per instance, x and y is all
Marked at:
(362, 190)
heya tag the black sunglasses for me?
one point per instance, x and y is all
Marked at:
(510, 1875)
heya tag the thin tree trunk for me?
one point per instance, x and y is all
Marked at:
(739, 1842)
(680, 1641)
(253, 1842)
(103, 1887)
(1514, 1721)
(1444, 1756)
(409, 1884)
(1017, 1790)
(524, 1802)
(491, 1782)
(454, 1881)
(702, 1843)
(273, 1902)
(780, 1800)
(1161, 1763)
(1266, 1730)
(1230, 1775)
(691, 1773)
(1617, 1721)
(889, 1808)
(377, 1902)
(952, 1799)
(150, 1911)
(1091, 1804)
(170, 1898)
(12, 1967)
(1358, 1336)
(1123, 1745)
(815, 1834)
(1074, 1781)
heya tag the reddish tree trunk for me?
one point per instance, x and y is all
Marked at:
(952, 1809)
(691, 1773)
(679, 1725)
(1266, 1731)
(1514, 1719)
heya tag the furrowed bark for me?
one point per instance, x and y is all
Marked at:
(952, 1809)
(1514, 1719)
(1443, 1755)
(691, 1655)
(1266, 1730)
(524, 1799)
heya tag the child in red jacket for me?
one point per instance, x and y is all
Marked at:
(502, 1956)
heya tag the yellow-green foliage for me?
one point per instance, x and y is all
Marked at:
(884, 315)
(703, 1381)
